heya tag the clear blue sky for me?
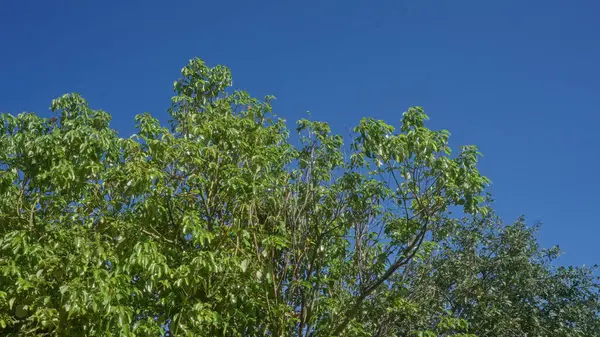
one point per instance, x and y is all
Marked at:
(520, 79)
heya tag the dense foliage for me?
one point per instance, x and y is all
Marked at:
(497, 277)
(216, 225)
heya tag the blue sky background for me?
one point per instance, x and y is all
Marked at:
(520, 79)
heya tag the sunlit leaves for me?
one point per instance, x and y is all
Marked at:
(214, 224)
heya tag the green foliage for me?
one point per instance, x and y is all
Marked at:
(497, 277)
(215, 225)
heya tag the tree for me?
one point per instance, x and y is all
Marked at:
(498, 278)
(215, 224)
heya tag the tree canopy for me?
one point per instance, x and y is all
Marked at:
(215, 224)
